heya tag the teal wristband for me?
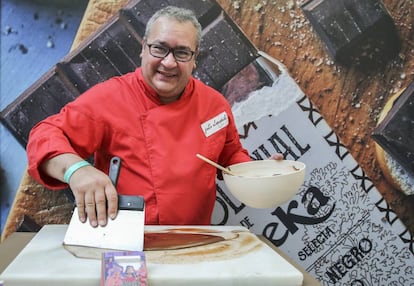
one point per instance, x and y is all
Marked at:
(72, 169)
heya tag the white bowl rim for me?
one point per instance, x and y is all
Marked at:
(298, 164)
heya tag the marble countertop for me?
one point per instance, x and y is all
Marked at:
(50, 237)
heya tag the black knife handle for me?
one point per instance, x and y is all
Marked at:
(114, 168)
(127, 202)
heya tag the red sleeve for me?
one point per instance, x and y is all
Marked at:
(50, 137)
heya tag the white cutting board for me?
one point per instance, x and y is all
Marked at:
(45, 262)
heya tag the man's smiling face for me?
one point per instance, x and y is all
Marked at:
(167, 76)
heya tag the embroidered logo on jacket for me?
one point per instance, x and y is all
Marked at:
(215, 124)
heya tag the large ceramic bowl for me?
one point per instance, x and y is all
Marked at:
(265, 183)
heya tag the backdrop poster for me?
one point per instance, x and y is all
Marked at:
(338, 227)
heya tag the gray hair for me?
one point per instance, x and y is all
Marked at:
(179, 14)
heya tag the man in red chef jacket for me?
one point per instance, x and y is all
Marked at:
(156, 119)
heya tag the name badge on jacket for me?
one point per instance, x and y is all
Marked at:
(215, 124)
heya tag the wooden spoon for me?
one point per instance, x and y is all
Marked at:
(226, 170)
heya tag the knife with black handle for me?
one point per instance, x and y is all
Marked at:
(125, 202)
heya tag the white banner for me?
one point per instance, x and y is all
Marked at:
(337, 227)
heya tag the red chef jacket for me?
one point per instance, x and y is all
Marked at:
(156, 142)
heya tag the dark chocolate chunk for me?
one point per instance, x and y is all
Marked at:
(395, 133)
(28, 225)
(353, 31)
(37, 103)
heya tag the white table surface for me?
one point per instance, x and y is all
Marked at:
(43, 261)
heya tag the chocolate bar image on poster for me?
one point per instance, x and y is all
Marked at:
(114, 50)
(395, 133)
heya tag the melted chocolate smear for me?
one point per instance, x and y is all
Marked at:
(164, 241)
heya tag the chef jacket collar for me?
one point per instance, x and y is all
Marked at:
(150, 92)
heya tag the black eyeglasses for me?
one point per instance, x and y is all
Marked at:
(181, 55)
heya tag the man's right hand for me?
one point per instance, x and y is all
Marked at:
(94, 192)
(95, 195)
